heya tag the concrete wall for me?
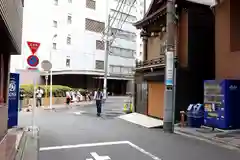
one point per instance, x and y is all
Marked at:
(4, 72)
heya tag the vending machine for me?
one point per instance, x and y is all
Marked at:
(222, 104)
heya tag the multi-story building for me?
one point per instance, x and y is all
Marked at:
(11, 33)
(73, 33)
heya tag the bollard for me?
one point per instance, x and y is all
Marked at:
(182, 113)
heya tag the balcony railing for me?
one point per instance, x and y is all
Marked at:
(159, 62)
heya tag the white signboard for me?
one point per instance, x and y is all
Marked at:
(169, 68)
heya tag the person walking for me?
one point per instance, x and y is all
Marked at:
(21, 97)
(68, 98)
(39, 94)
(98, 96)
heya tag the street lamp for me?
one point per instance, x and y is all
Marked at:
(50, 59)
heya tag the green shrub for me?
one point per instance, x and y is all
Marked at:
(57, 90)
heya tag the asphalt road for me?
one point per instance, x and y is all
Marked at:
(78, 134)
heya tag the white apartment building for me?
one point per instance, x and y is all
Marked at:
(71, 31)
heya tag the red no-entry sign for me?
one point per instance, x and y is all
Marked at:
(33, 46)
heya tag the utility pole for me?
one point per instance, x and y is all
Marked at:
(51, 76)
(106, 52)
(170, 70)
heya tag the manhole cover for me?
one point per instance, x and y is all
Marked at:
(111, 115)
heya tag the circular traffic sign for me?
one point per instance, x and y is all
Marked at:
(46, 65)
(33, 61)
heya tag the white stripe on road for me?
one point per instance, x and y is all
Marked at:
(143, 151)
(101, 144)
(82, 145)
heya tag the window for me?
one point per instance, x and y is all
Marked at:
(123, 52)
(100, 45)
(94, 26)
(91, 4)
(69, 19)
(69, 1)
(119, 33)
(54, 46)
(68, 61)
(114, 69)
(69, 40)
(99, 64)
(55, 24)
(55, 2)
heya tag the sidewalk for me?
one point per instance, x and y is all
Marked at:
(18, 144)
(228, 139)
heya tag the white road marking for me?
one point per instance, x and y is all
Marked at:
(101, 144)
(82, 145)
(143, 151)
(79, 112)
(97, 157)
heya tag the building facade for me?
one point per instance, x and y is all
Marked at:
(194, 50)
(11, 34)
(73, 33)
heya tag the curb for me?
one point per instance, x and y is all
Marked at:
(215, 140)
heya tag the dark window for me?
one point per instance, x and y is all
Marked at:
(99, 64)
(94, 26)
(54, 46)
(69, 19)
(55, 24)
(69, 40)
(55, 2)
(68, 62)
(100, 45)
(91, 4)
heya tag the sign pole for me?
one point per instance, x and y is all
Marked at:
(33, 106)
(50, 89)
(47, 67)
(46, 89)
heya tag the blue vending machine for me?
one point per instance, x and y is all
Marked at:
(222, 104)
(13, 99)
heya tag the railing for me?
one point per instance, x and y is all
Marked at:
(159, 62)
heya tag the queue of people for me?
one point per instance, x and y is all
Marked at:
(72, 96)
(77, 96)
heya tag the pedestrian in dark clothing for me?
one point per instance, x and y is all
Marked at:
(98, 96)
(21, 97)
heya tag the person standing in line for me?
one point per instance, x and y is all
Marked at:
(39, 94)
(98, 96)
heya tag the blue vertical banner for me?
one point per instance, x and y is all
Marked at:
(13, 100)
